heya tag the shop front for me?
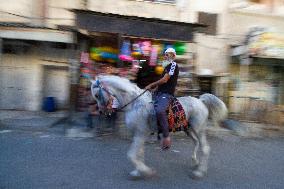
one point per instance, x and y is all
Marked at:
(131, 47)
(257, 77)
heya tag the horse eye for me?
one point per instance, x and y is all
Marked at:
(96, 95)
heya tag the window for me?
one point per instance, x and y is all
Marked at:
(255, 1)
(210, 20)
(16, 47)
(162, 1)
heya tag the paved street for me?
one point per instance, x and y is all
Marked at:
(50, 160)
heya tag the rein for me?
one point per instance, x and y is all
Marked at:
(132, 100)
(109, 93)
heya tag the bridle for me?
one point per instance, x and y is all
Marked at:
(100, 95)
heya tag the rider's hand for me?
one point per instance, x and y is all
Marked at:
(148, 87)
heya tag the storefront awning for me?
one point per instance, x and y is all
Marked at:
(135, 26)
(25, 32)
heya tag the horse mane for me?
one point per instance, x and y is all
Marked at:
(120, 87)
(119, 83)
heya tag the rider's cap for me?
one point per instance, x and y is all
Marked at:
(171, 50)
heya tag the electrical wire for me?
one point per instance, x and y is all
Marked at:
(35, 18)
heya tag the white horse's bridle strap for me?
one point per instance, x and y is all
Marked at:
(101, 89)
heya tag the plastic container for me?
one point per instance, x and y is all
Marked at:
(49, 104)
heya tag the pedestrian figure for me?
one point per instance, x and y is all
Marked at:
(92, 109)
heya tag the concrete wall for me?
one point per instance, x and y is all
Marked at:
(40, 12)
(27, 11)
(59, 12)
(212, 50)
(241, 22)
(20, 7)
(163, 11)
(56, 84)
(212, 53)
(20, 76)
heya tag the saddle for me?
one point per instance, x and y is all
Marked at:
(176, 117)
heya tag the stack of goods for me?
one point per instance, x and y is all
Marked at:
(184, 85)
(185, 80)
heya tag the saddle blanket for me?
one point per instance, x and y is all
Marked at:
(176, 117)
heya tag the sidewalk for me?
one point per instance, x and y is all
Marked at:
(29, 120)
(248, 129)
(39, 121)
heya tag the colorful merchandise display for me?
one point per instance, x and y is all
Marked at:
(159, 70)
(139, 60)
(131, 53)
(146, 47)
(154, 55)
(180, 48)
(136, 50)
(125, 52)
(104, 54)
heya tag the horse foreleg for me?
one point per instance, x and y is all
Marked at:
(136, 156)
(205, 149)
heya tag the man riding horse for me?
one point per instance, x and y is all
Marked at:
(165, 92)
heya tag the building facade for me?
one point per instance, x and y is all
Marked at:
(257, 59)
(37, 36)
(35, 54)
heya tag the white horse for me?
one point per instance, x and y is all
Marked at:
(139, 118)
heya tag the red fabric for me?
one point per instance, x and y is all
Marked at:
(176, 117)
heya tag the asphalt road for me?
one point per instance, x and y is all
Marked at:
(50, 160)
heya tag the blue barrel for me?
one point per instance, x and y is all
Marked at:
(49, 104)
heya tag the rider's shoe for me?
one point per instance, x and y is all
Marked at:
(166, 143)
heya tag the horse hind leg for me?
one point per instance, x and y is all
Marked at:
(205, 149)
(136, 156)
(194, 160)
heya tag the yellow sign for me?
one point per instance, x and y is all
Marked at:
(267, 44)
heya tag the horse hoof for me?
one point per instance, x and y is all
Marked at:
(197, 174)
(135, 175)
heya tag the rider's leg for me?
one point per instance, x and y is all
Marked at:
(161, 106)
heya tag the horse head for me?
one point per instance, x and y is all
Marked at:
(101, 95)
(107, 86)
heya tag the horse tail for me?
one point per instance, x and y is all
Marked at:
(216, 107)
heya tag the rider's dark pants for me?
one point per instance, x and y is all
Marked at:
(162, 101)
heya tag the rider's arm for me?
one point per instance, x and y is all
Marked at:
(169, 72)
(159, 82)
